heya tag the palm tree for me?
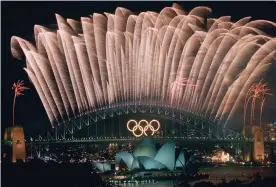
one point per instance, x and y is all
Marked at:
(18, 89)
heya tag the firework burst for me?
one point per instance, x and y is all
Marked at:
(149, 58)
(256, 92)
(18, 90)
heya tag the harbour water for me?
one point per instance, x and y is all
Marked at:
(216, 174)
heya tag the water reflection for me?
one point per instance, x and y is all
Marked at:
(155, 184)
(244, 173)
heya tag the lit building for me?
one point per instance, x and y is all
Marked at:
(269, 131)
(102, 167)
(146, 157)
(220, 156)
(113, 146)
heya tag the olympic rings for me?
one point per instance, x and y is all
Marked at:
(139, 126)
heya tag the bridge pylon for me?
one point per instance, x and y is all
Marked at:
(16, 138)
(254, 151)
(247, 146)
(258, 152)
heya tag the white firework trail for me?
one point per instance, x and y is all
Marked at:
(110, 59)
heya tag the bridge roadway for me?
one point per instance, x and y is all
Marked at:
(159, 139)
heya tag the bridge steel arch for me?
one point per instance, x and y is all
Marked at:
(210, 129)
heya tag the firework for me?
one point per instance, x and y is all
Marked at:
(18, 91)
(174, 57)
(176, 85)
(256, 92)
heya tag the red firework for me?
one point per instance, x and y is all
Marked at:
(257, 91)
(18, 89)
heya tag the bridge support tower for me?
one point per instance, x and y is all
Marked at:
(254, 151)
(258, 152)
(15, 137)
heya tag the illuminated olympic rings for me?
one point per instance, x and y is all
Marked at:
(143, 129)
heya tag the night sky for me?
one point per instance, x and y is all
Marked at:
(19, 18)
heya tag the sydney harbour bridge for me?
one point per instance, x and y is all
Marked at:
(100, 126)
(109, 125)
(188, 70)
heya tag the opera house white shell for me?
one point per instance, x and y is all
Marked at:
(146, 157)
(102, 167)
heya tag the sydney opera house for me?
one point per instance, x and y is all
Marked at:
(186, 60)
(147, 157)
